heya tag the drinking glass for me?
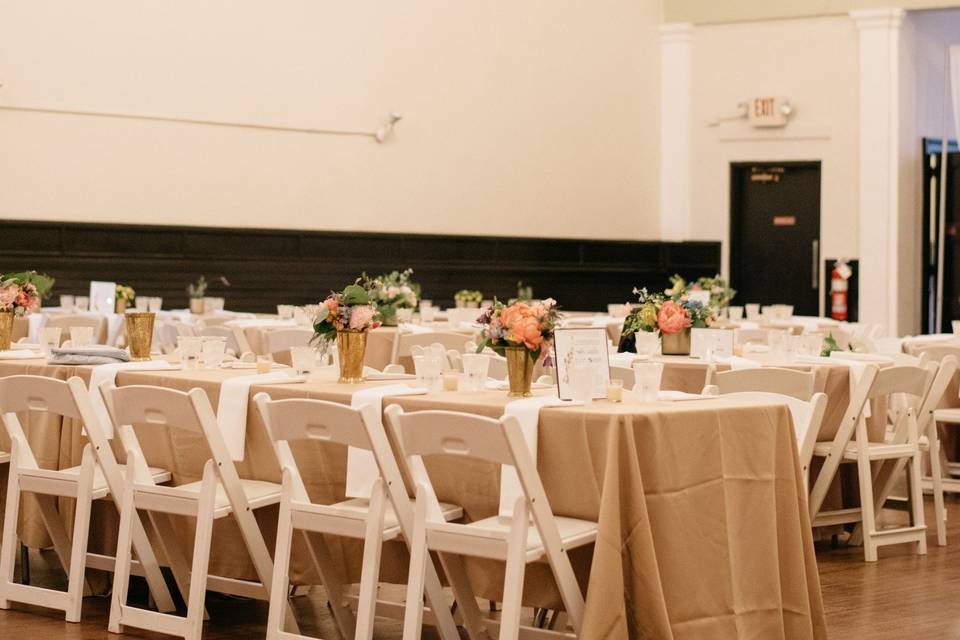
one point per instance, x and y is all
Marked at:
(428, 312)
(190, 348)
(753, 312)
(81, 337)
(582, 379)
(264, 364)
(213, 352)
(647, 377)
(285, 311)
(955, 325)
(735, 313)
(615, 391)
(141, 304)
(67, 302)
(451, 381)
(429, 370)
(83, 303)
(475, 368)
(49, 339)
(812, 344)
(303, 359)
(155, 304)
(778, 345)
(647, 343)
(405, 316)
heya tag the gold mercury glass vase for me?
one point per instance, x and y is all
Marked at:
(140, 334)
(676, 344)
(351, 346)
(6, 330)
(519, 371)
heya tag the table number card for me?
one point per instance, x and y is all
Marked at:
(581, 346)
(103, 296)
(718, 341)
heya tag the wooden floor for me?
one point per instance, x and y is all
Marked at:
(901, 596)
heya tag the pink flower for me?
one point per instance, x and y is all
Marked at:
(527, 332)
(7, 297)
(361, 316)
(672, 318)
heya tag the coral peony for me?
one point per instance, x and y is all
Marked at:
(527, 331)
(673, 318)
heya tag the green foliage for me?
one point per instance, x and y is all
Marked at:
(41, 281)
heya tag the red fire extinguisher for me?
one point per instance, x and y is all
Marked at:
(839, 290)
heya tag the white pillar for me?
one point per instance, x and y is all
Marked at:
(879, 155)
(676, 56)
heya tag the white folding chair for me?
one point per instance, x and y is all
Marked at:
(403, 343)
(807, 418)
(374, 521)
(852, 444)
(789, 382)
(97, 477)
(220, 493)
(282, 339)
(509, 539)
(64, 321)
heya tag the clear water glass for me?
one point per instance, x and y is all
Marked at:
(155, 304)
(213, 351)
(428, 312)
(264, 364)
(82, 303)
(190, 348)
(475, 368)
(405, 315)
(429, 372)
(67, 303)
(141, 304)
(49, 339)
(735, 313)
(647, 343)
(81, 337)
(303, 360)
(647, 377)
(285, 311)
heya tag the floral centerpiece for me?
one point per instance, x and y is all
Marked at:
(20, 295)
(469, 298)
(347, 316)
(125, 296)
(523, 333)
(672, 318)
(391, 291)
(719, 292)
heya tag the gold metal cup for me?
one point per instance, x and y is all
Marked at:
(140, 333)
(519, 371)
(351, 346)
(675, 344)
(6, 330)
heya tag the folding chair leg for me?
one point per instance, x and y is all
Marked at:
(8, 543)
(121, 574)
(466, 599)
(866, 510)
(201, 556)
(513, 576)
(413, 612)
(167, 537)
(936, 473)
(81, 532)
(370, 574)
(446, 625)
(916, 500)
(281, 569)
(24, 564)
(323, 561)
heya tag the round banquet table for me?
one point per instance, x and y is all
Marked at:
(703, 524)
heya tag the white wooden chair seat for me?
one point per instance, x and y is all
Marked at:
(259, 494)
(875, 451)
(100, 487)
(951, 416)
(361, 506)
(573, 533)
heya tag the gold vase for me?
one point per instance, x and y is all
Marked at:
(351, 346)
(121, 306)
(196, 306)
(6, 330)
(675, 344)
(519, 371)
(140, 334)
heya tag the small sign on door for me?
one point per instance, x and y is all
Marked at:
(784, 221)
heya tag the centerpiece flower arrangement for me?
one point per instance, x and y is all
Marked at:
(721, 294)
(391, 291)
(672, 317)
(523, 333)
(20, 295)
(125, 296)
(347, 316)
(470, 298)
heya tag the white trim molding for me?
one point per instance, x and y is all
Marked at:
(676, 62)
(879, 157)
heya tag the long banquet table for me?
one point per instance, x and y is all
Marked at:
(704, 531)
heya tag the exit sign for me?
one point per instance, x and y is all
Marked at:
(768, 111)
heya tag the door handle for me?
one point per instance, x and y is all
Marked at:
(815, 252)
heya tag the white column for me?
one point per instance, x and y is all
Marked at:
(879, 155)
(676, 56)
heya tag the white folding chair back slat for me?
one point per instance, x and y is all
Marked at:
(98, 476)
(499, 441)
(282, 339)
(789, 382)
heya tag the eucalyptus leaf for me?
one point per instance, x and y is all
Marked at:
(354, 295)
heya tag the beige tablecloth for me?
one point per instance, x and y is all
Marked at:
(704, 530)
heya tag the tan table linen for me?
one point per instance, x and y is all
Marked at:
(704, 530)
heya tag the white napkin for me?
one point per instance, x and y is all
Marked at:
(20, 354)
(736, 362)
(104, 372)
(362, 469)
(527, 413)
(260, 322)
(622, 359)
(408, 327)
(26, 346)
(232, 407)
(114, 323)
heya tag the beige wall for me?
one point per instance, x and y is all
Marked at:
(530, 118)
(813, 63)
(718, 11)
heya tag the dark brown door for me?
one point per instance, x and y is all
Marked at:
(775, 234)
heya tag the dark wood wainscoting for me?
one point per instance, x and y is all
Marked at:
(269, 266)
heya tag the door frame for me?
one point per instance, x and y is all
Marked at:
(736, 223)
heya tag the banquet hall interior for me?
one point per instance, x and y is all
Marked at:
(612, 320)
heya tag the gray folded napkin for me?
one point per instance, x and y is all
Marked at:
(88, 355)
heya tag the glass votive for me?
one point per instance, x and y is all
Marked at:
(615, 391)
(451, 381)
(81, 336)
(264, 364)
